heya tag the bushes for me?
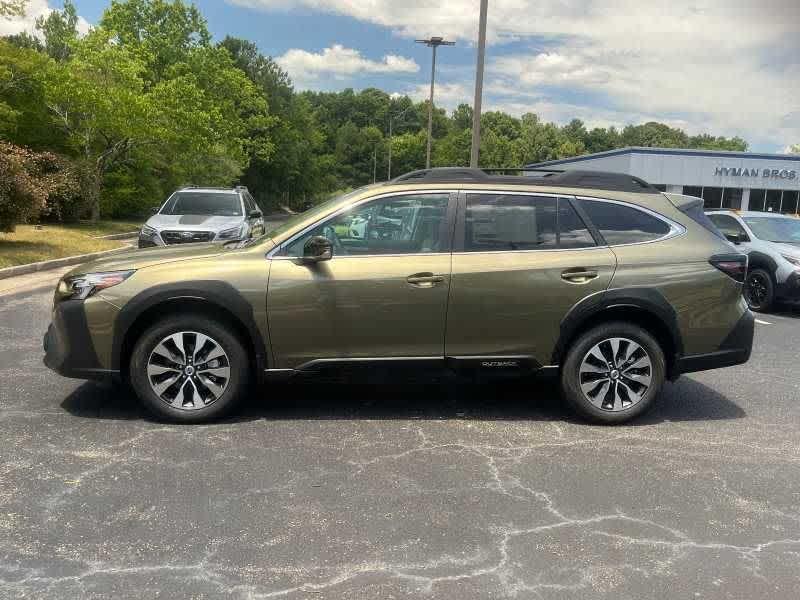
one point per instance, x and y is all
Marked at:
(22, 193)
(34, 184)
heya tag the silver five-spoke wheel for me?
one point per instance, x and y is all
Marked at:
(615, 374)
(188, 370)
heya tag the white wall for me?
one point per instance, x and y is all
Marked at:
(694, 170)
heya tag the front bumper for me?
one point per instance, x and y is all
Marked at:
(68, 346)
(789, 290)
(734, 350)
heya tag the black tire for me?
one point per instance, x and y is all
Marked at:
(759, 290)
(571, 375)
(236, 355)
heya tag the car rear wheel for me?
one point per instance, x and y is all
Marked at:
(759, 290)
(189, 369)
(613, 373)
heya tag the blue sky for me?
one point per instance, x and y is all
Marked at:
(728, 67)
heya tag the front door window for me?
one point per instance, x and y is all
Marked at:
(402, 224)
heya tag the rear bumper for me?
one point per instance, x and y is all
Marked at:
(734, 350)
(68, 347)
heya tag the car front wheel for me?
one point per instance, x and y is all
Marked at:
(189, 369)
(759, 290)
(613, 373)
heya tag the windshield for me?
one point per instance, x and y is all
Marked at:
(775, 229)
(203, 203)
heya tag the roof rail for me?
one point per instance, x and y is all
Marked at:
(619, 182)
(443, 174)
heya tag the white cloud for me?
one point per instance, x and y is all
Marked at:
(339, 62)
(27, 23)
(727, 66)
(446, 95)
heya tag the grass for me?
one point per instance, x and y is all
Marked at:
(28, 244)
(104, 227)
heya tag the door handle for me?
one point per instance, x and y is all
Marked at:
(424, 279)
(579, 275)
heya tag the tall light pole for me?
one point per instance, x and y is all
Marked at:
(476, 107)
(433, 42)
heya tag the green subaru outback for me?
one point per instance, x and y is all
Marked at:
(595, 278)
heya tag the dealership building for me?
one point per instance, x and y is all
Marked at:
(739, 180)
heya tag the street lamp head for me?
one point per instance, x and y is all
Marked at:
(435, 41)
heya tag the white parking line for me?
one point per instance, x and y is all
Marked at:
(760, 322)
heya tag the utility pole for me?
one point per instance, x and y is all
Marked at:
(476, 107)
(433, 43)
(375, 164)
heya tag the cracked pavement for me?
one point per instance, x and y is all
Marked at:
(418, 489)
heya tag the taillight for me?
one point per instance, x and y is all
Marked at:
(733, 265)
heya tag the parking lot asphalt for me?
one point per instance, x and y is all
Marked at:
(431, 490)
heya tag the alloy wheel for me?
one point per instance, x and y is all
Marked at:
(756, 290)
(188, 370)
(615, 374)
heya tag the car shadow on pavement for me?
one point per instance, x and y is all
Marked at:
(519, 400)
(791, 311)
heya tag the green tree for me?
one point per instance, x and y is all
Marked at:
(60, 30)
(656, 135)
(408, 152)
(453, 150)
(540, 141)
(97, 99)
(24, 118)
(263, 71)
(25, 40)
(710, 142)
(575, 131)
(161, 33)
(601, 139)
(462, 117)
(499, 151)
(795, 149)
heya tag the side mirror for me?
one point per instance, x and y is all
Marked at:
(254, 214)
(154, 209)
(736, 238)
(317, 249)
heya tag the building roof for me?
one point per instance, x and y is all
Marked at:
(669, 152)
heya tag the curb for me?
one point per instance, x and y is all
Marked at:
(57, 262)
(118, 236)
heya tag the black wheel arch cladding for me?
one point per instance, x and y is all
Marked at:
(217, 294)
(759, 260)
(645, 300)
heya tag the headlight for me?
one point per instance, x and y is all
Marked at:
(147, 232)
(233, 233)
(792, 259)
(81, 287)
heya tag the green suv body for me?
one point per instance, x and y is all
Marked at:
(598, 279)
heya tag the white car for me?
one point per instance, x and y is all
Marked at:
(193, 215)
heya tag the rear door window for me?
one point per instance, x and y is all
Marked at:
(622, 224)
(509, 222)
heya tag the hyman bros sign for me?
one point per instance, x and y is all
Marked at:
(764, 173)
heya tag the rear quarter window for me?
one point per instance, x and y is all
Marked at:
(622, 224)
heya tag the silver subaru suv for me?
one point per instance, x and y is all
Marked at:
(772, 241)
(194, 214)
